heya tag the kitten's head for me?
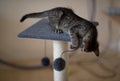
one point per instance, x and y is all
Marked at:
(93, 47)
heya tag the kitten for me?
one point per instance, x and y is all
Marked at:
(83, 33)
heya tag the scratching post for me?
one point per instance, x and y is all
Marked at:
(42, 30)
(58, 48)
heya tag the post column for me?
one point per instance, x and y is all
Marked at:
(60, 65)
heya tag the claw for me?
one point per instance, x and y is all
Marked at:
(58, 31)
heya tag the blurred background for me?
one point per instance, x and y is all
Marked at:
(83, 66)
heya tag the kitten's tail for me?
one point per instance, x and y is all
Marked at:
(34, 15)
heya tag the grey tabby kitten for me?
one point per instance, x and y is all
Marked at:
(65, 20)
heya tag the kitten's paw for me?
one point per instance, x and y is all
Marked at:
(73, 47)
(82, 49)
(58, 31)
(86, 50)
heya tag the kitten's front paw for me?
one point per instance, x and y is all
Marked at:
(58, 31)
(73, 47)
(86, 50)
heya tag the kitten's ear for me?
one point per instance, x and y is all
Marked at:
(95, 23)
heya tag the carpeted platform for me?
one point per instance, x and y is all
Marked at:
(42, 30)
